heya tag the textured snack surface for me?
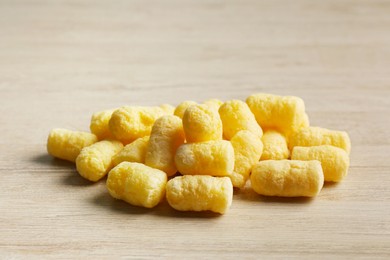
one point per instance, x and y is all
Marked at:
(285, 114)
(182, 107)
(287, 178)
(315, 136)
(236, 116)
(99, 124)
(275, 146)
(214, 158)
(334, 160)
(167, 135)
(247, 151)
(215, 146)
(133, 152)
(137, 184)
(200, 193)
(129, 123)
(94, 161)
(202, 123)
(66, 144)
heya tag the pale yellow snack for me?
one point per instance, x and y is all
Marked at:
(334, 160)
(202, 123)
(285, 114)
(167, 135)
(168, 109)
(137, 184)
(213, 103)
(214, 158)
(287, 178)
(247, 151)
(182, 107)
(236, 116)
(275, 146)
(66, 144)
(314, 136)
(200, 193)
(94, 161)
(129, 123)
(99, 124)
(133, 152)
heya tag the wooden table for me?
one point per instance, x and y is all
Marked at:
(60, 61)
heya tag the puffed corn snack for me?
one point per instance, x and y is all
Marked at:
(202, 123)
(199, 193)
(137, 184)
(167, 135)
(275, 146)
(94, 161)
(67, 145)
(287, 178)
(214, 158)
(195, 153)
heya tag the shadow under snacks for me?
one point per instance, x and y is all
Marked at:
(45, 159)
(163, 209)
(248, 194)
(69, 175)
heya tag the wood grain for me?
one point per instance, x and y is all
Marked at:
(62, 60)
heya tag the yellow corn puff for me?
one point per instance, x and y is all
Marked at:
(314, 136)
(182, 107)
(275, 146)
(137, 184)
(167, 135)
(95, 161)
(247, 151)
(66, 144)
(285, 114)
(133, 152)
(130, 123)
(214, 158)
(200, 193)
(236, 116)
(287, 178)
(202, 123)
(99, 124)
(334, 160)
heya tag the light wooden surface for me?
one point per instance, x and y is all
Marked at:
(62, 60)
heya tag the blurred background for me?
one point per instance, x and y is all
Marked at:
(62, 54)
(190, 50)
